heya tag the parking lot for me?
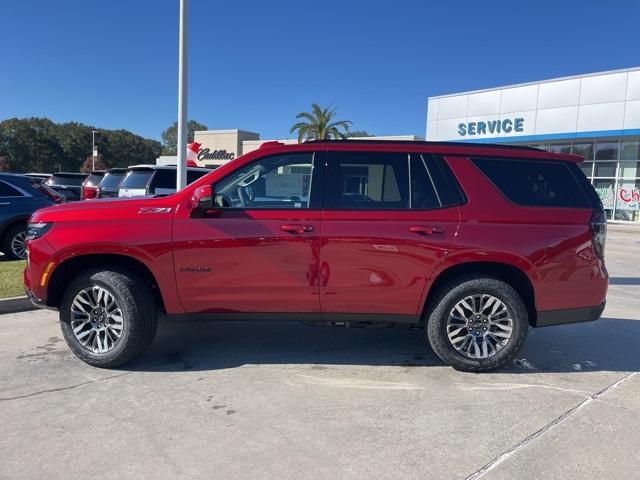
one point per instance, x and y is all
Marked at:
(283, 400)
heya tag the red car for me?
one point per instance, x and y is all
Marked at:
(473, 242)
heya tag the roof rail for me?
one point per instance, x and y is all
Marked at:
(426, 142)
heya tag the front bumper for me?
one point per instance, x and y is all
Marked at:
(569, 315)
(38, 302)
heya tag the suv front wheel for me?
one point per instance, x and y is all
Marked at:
(108, 317)
(477, 324)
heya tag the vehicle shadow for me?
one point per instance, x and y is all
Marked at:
(609, 344)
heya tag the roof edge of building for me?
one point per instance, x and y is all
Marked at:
(525, 84)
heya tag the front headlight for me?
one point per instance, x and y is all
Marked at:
(37, 230)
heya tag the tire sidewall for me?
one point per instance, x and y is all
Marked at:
(129, 314)
(437, 323)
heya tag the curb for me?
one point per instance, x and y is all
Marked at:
(15, 305)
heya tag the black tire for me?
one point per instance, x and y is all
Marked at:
(8, 239)
(140, 316)
(444, 301)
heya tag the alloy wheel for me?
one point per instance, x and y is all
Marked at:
(479, 326)
(96, 319)
(18, 245)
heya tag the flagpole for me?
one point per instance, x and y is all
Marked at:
(181, 180)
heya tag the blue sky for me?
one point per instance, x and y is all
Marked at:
(255, 64)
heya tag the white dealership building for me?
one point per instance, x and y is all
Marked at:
(595, 115)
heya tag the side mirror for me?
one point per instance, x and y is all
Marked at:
(201, 201)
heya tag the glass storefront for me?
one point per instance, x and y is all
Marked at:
(613, 167)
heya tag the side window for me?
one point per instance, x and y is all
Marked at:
(537, 183)
(280, 181)
(449, 190)
(193, 175)
(7, 190)
(164, 179)
(364, 181)
(423, 192)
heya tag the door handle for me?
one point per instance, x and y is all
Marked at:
(425, 230)
(295, 228)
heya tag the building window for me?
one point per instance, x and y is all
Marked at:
(584, 149)
(607, 150)
(560, 148)
(630, 150)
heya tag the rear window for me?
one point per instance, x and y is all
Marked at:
(137, 179)
(534, 183)
(71, 180)
(112, 179)
(94, 179)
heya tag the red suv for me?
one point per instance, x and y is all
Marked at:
(475, 243)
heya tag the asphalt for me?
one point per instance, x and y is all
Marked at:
(287, 401)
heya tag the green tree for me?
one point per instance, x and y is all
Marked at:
(170, 136)
(320, 124)
(40, 145)
(357, 133)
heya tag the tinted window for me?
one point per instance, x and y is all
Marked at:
(448, 188)
(69, 180)
(164, 179)
(423, 192)
(363, 181)
(94, 179)
(7, 190)
(111, 180)
(137, 179)
(193, 175)
(534, 182)
(281, 181)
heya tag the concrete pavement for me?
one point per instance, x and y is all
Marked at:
(282, 400)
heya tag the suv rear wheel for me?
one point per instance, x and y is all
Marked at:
(477, 324)
(108, 317)
(13, 243)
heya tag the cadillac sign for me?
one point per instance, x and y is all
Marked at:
(207, 154)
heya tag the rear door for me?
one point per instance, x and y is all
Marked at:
(385, 228)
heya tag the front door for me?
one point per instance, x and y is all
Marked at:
(385, 229)
(259, 252)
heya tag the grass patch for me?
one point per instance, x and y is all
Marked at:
(11, 279)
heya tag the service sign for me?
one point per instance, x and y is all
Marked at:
(505, 126)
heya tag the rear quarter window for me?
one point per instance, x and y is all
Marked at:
(535, 183)
(7, 190)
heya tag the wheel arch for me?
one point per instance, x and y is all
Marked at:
(12, 223)
(69, 268)
(508, 273)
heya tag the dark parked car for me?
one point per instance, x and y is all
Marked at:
(67, 184)
(40, 176)
(20, 196)
(473, 243)
(89, 187)
(149, 180)
(110, 183)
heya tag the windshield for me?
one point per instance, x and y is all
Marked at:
(137, 179)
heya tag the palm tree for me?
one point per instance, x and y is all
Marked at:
(319, 124)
